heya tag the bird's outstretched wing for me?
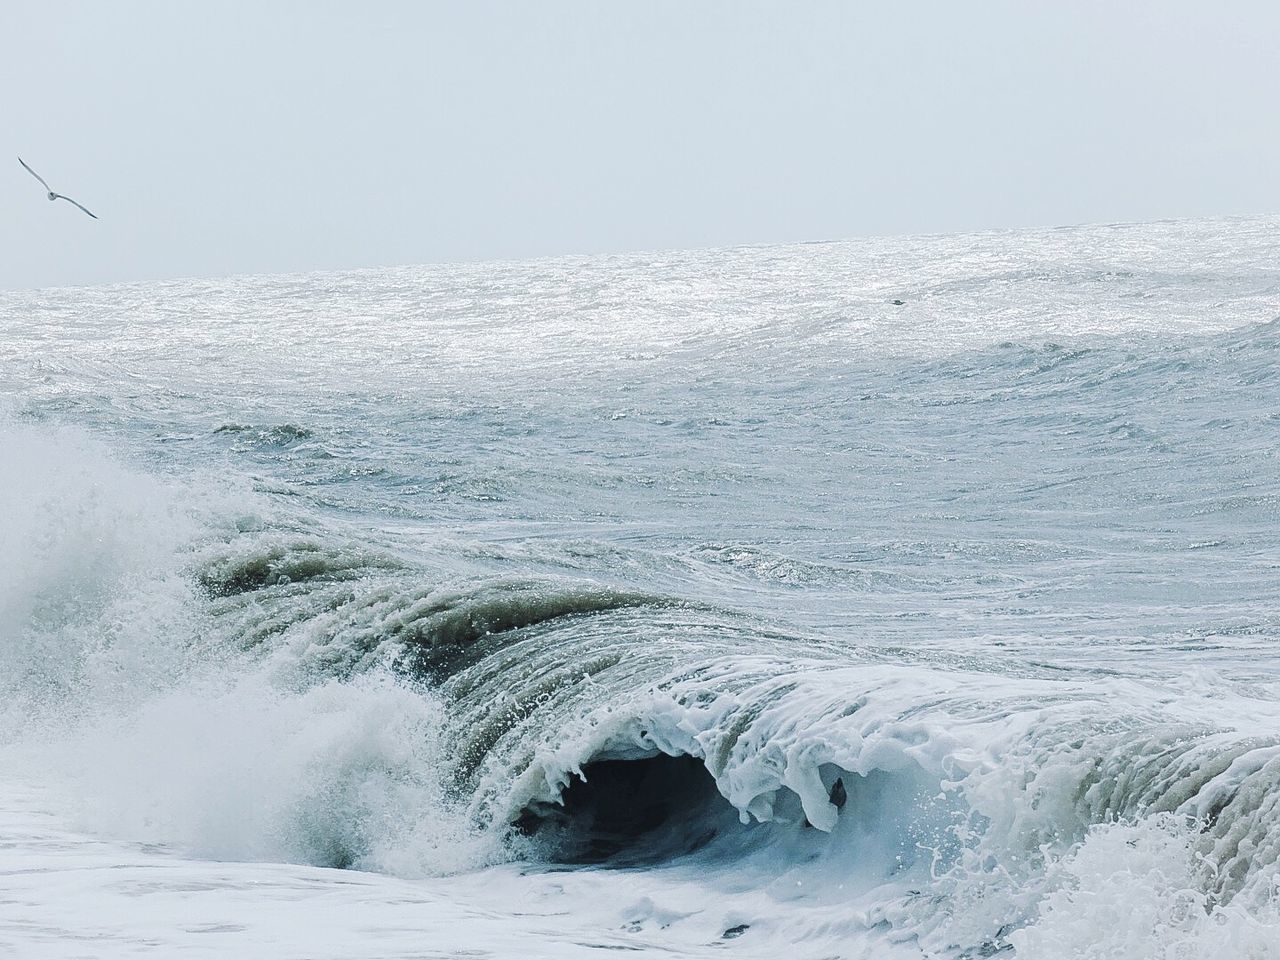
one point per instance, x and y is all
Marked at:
(40, 178)
(58, 196)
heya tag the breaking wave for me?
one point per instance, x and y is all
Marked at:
(244, 693)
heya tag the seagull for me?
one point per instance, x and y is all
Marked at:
(52, 195)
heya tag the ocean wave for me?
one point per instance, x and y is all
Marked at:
(946, 625)
(563, 721)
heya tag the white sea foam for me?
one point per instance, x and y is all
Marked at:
(93, 606)
(339, 774)
(1136, 890)
(114, 686)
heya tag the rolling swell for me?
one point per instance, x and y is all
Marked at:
(340, 608)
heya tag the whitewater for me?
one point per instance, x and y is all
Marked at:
(889, 598)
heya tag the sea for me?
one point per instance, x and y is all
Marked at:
(890, 598)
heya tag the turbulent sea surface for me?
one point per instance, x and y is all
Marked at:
(710, 604)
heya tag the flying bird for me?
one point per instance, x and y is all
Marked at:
(52, 195)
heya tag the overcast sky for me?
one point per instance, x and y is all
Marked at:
(231, 137)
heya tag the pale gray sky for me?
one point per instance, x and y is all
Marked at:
(233, 137)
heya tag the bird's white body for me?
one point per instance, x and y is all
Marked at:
(52, 195)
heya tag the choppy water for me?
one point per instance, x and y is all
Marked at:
(369, 570)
